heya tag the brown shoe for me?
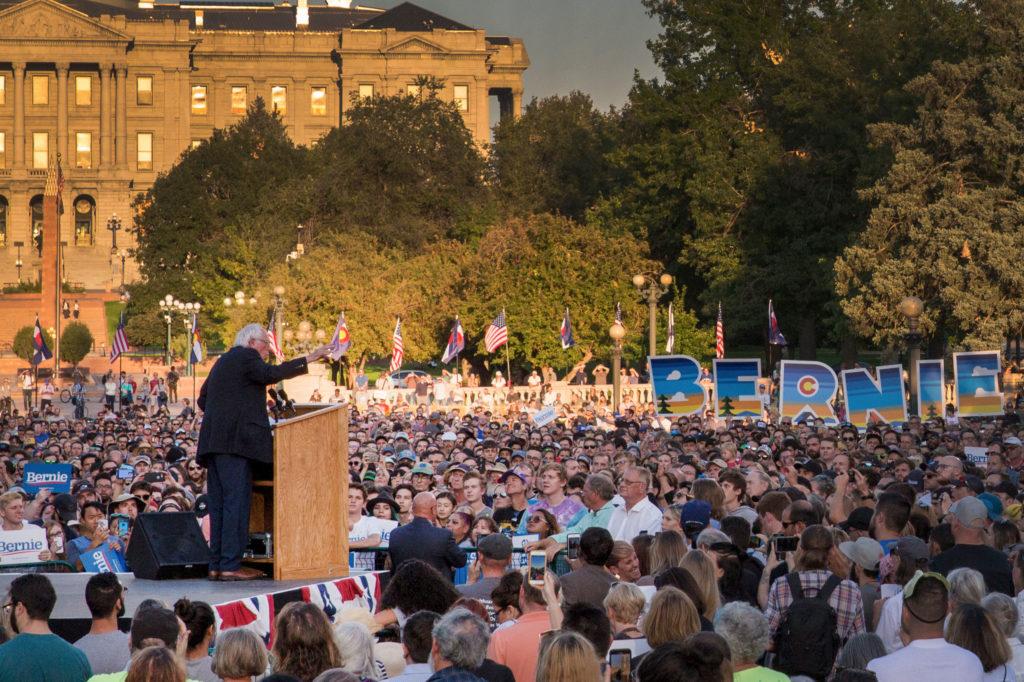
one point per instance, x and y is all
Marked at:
(213, 575)
(244, 573)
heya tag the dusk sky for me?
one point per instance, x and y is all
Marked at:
(588, 45)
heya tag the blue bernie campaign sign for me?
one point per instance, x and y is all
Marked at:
(56, 477)
(103, 559)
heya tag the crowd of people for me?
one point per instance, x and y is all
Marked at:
(682, 548)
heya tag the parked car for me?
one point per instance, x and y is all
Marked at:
(399, 378)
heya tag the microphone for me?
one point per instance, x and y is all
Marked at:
(278, 404)
(289, 404)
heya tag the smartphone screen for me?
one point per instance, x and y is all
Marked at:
(572, 546)
(126, 472)
(538, 562)
(619, 665)
(784, 543)
(102, 524)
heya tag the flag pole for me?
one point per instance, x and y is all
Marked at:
(192, 365)
(120, 393)
(508, 363)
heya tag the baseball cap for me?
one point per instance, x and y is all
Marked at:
(859, 519)
(497, 466)
(913, 548)
(402, 434)
(908, 589)
(970, 512)
(448, 437)
(695, 511)
(512, 472)
(993, 504)
(495, 546)
(422, 468)
(865, 552)
(1012, 440)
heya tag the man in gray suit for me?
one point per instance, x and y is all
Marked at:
(590, 582)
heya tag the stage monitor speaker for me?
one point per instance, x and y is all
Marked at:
(168, 545)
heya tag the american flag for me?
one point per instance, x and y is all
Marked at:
(456, 343)
(120, 340)
(497, 333)
(719, 334)
(670, 342)
(275, 346)
(397, 347)
(775, 336)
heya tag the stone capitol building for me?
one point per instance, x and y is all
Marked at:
(121, 89)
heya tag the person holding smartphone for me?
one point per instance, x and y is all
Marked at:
(94, 532)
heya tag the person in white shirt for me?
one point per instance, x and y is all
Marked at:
(417, 640)
(637, 513)
(363, 531)
(1003, 610)
(22, 542)
(927, 656)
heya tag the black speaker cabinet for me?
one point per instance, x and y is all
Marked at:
(168, 545)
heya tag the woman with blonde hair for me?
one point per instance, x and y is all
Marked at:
(304, 646)
(671, 618)
(156, 664)
(623, 562)
(568, 657)
(703, 569)
(239, 656)
(972, 628)
(667, 550)
(624, 605)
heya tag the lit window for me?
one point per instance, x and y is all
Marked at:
(40, 150)
(279, 99)
(199, 100)
(83, 91)
(40, 90)
(144, 91)
(3, 90)
(412, 90)
(3, 150)
(144, 154)
(318, 102)
(239, 100)
(462, 97)
(83, 150)
(365, 90)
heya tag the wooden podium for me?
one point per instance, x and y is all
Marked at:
(305, 506)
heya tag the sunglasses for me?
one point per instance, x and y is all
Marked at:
(536, 519)
(143, 497)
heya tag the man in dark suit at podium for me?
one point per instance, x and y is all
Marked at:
(421, 539)
(235, 433)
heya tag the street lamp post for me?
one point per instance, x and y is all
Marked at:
(166, 304)
(617, 332)
(278, 312)
(114, 224)
(912, 307)
(123, 253)
(651, 290)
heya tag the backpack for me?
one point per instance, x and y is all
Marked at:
(807, 641)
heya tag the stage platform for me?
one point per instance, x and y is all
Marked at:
(248, 603)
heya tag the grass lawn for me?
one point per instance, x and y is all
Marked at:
(113, 311)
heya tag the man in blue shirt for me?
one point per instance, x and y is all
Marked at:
(94, 533)
(36, 653)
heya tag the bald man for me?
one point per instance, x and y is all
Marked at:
(421, 539)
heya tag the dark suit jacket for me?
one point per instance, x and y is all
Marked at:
(234, 404)
(420, 539)
(587, 584)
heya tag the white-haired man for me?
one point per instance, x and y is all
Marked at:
(234, 434)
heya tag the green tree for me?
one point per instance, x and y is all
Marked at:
(23, 345)
(948, 217)
(404, 169)
(75, 342)
(188, 224)
(553, 158)
(536, 267)
(743, 163)
(725, 406)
